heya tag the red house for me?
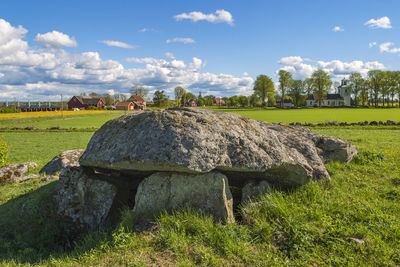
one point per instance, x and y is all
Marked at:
(85, 102)
(138, 101)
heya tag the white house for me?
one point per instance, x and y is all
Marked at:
(341, 98)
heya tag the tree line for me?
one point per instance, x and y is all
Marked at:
(377, 88)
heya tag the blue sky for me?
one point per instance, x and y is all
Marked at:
(53, 47)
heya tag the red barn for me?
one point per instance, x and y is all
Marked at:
(84, 102)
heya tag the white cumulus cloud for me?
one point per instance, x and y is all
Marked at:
(337, 29)
(388, 48)
(117, 44)
(180, 40)
(335, 68)
(383, 23)
(219, 16)
(45, 73)
(55, 39)
(293, 60)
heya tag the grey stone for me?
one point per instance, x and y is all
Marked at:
(199, 141)
(333, 149)
(208, 193)
(84, 201)
(64, 159)
(15, 172)
(253, 189)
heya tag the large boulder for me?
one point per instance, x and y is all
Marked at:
(15, 172)
(208, 193)
(62, 160)
(199, 141)
(84, 201)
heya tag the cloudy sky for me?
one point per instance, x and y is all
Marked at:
(48, 48)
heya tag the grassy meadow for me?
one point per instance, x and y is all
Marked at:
(50, 113)
(353, 220)
(311, 115)
(88, 120)
(314, 115)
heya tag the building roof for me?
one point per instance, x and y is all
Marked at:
(137, 98)
(278, 99)
(334, 97)
(123, 104)
(328, 97)
(89, 100)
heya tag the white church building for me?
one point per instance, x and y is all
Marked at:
(340, 98)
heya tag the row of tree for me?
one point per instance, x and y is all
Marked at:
(377, 87)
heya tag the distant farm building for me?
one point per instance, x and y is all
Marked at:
(85, 102)
(287, 103)
(341, 98)
(138, 101)
(125, 106)
(218, 101)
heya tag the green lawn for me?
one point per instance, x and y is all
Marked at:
(354, 220)
(313, 115)
(41, 147)
(271, 115)
(71, 121)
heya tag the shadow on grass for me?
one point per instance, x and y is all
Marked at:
(31, 231)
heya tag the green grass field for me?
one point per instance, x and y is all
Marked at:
(353, 220)
(270, 115)
(41, 147)
(314, 115)
(71, 121)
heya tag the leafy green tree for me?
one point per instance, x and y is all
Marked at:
(201, 101)
(243, 101)
(308, 86)
(321, 82)
(208, 100)
(226, 100)
(356, 85)
(393, 83)
(179, 92)
(376, 78)
(264, 88)
(108, 99)
(234, 101)
(271, 100)
(160, 99)
(254, 100)
(296, 91)
(285, 82)
(139, 90)
(186, 97)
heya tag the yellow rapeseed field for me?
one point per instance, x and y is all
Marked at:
(49, 113)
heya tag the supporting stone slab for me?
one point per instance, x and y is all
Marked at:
(84, 201)
(208, 193)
